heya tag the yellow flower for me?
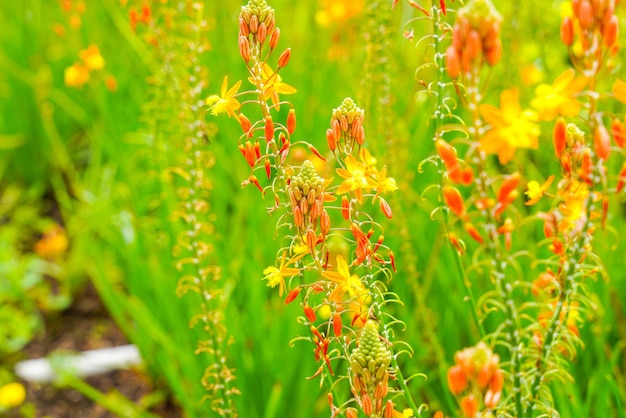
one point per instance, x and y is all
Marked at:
(226, 101)
(355, 178)
(384, 184)
(619, 90)
(76, 75)
(92, 58)
(337, 11)
(536, 191)
(406, 413)
(273, 85)
(573, 207)
(346, 283)
(12, 395)
(511, 127)
(276, 276)
(558, 98)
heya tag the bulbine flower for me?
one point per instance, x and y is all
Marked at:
(559, 98)
(275, 276)
(226, 101)
(511, 127)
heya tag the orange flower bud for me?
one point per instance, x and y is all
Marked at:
(269, 128)
(268, 168)
(493, 55)
(585, 14)
(316, 152)
(602, 142)
(618, 129)
(244, 30)
(244, 48)
(345, 208)
(337, 325)
(283, 60)
(261, 34)
(560, 137)
(507, 192)
(611, 32)
(447, 153)
(473, 44)
(467, 176)
(325, 222)
(257, 150)
(291, 121)
(469, 406)
(330, 139)
(311, 239)
(497, 381)
(457, 381)
(355, 127)
(567, 31)
(453, 62)
(292, 295)
(368, 408)
(392, 259)
(252, 179)
(310, 313)
(274, 38)
(473, 232)
(442, 4)
(454, 201)
(245, 123)
(351, 413)
(484, 376)
(388, 409)
(254, 23)
(385, 208)
(622, 179)
(360, 137)
(298, 218)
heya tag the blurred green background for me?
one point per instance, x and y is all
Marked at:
(91, 159)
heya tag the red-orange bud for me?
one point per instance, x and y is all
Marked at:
(261, 33)
(360, 137)
(392, 259)
(385, 208)
(506, 193)
(311, 239)
(245, 123)
(268, 168)
(602, 142)
(244, 48)
(330, 139)
(388, 409)
(585, 14)
(454, 201)
(316, 152)
(473, 232)
(473, 44)
(567, 31)
(257, 150)
(618, 129)
(622, 179)
(274, 38)
(469, 406)
(497, 381)
(292, 295)
(453, 62)
(368, 408)
(244, 30)
(325, 222)
(337, 325)
(560, 137)
(310, 313)
(345, 208)
(298, 218)
(447, 153)
(283, 60)
(611, 32)
(254, 23)
(494, 54)
(291, 121)
(269, 128)
(457, 381)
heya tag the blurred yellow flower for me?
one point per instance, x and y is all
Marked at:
(536, 191)
(91, 58)
(12, 395)
(574, 205)
(619, 90)
(76, 75)
(558, 98)
(53, 243)
(226, 101)
(331, 11)
(511, 128)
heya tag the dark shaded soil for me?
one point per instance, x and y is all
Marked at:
(85, 326)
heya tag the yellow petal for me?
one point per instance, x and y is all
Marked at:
(619, 89)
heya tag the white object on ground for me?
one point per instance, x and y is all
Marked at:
(83, 364)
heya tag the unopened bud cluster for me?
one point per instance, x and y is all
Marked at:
(256, 26)
(596, 22)
(306, 192)
(346, 127)
(475, 37)
(369, 363)
(476, 371)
